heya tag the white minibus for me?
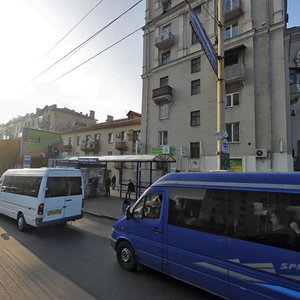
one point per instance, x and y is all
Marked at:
(41, 196)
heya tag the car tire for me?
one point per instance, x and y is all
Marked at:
(126, 256)
(22, 226)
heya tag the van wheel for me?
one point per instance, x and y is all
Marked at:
(126, 256)
(22, 226)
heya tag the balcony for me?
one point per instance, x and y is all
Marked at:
(162, 95)
(90, 146)
(235, 74)
(121, 145)
(164, 40)
(67, 148)
(232, 9)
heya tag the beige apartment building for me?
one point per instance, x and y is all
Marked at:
(179, 109)
(50, 118)
(113, 137)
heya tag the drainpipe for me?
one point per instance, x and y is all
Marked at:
(270, 86)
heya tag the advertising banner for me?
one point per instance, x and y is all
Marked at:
(39, 143)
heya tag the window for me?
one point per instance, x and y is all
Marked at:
(194, 38)
(123, 136)
(163, 112)
(195, 65)
(294, 76)
(70, 141)
(62, 186)
(110, 138)
(109, 153)
(149, 207)
(195, 150)
(230, 5)
(195, 87)
(166, 28)
(162, 138)
(166, 4)
(231, 58)
(165, 57)
(195, 118)
(232, 99)
(259, 217)
(233, 130)
(231, 31)
(164, 81)
(27, 186)
(78, 141)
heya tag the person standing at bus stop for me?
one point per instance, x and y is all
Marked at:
(130, 189)
(113, 182)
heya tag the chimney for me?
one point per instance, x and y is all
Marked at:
(109, 118)
(92, 114)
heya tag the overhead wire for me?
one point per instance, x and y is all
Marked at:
(94, 56)
(72, 52)
(62, 38)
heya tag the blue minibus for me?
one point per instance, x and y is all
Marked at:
(236, 235)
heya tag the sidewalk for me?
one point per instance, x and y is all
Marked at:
(105, 206)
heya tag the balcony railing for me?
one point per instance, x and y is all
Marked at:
(67, 148)
(235, 73)
(232, 9)
(164, 40)
(162, 95)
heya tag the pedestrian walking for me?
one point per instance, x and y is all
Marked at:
(113, 182)
(107, 186)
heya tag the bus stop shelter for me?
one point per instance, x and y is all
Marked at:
(143, 166)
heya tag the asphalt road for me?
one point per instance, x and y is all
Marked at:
(76, 262)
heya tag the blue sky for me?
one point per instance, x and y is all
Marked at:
(294, 13)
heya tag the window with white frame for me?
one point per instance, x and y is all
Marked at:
(230, 5)
(162, 138)
(233, 130)
(163, 112)
(232, 99)
(78, 141)
(231, 31)
(110, 138)
(165, 57)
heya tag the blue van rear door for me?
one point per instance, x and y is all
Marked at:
(146, 229)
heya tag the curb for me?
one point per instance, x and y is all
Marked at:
(101, 216)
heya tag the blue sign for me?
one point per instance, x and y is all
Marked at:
(225, 146)
(27, 161)
(204, 40)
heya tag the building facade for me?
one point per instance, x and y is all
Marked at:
(113, 137)
(179, 109)
(293, 48)
(50, 118)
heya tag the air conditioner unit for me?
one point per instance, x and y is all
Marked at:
(184, 151)
(261, 153)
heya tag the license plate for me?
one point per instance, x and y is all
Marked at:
(54, 212)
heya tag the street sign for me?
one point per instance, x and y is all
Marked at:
(203, 39)
(225, 146)
(27, 161)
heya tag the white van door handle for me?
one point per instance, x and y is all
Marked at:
(157, 229)
(68, 199)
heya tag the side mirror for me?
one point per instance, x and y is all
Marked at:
(128, 213)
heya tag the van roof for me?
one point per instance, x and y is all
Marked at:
(258, 181)
(39, 171)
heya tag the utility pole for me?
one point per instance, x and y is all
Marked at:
(221, 131)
